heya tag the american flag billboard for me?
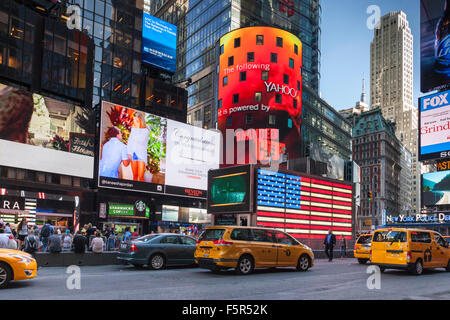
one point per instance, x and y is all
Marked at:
(303, 206)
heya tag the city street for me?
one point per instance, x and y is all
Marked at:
(341, 279)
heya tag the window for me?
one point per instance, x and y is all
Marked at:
(259, 39)
(285, 79)
(284, 238)
(258, 96)
(422, 237)
(295, 49)
(250, 57)
(272, 119)
(212, 234)
(264, 75)
(230, 61)
(236, 98)
(229, 121)
(222, 49)
(241, 235)
(262, 235)
(279, 42)
(289, 123)
(237, 42)
(291, 63)
(219, 105)
(277, 98)
(188, 241)
(243, 76)
(170, 240)
(225, 81)
(248, 118)
(295, 103)
(273, 57)
(298, 85)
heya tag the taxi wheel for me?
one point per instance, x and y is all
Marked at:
(5, 275)
(303, 263)
(417, 269)
(157, 262)
(245, 265)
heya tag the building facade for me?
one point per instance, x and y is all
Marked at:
(391, 86)
(201, 24)
(377, 152)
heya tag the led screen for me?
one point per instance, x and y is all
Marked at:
(436, 188)
(434, 126)
(159, 43)
(143, 152)
(435, 45)
(302, 206)
(259, 95)
(44, 134)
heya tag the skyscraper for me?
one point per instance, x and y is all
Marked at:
(391, 86)
(203, 22)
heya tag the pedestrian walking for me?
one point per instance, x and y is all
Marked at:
(343, 247)
(329, 242)
(22, 232)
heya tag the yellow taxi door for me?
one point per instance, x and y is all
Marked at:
(264, 248)
(396, 247)
(440, 252)
(288, 249)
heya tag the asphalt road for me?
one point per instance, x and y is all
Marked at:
(343, 279)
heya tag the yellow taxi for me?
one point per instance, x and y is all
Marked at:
(411, 249)
(447, 238)
(247, 248)
(16, 265)
(362, 248)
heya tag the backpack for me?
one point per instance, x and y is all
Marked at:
(32, 244)
(45, 232)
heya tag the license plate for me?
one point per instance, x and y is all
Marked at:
(206, 251)
(123, 246)
(395, 254)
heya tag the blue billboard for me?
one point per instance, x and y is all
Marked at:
(159, 43)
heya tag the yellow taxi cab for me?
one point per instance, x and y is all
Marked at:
(16, 265)
(447, 238)
(362, 248)
(411, 249)
(247, 248)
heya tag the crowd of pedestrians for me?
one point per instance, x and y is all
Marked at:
(31, 239)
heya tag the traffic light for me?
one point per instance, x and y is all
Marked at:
(369, 195)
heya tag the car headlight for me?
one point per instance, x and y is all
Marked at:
(21, 258)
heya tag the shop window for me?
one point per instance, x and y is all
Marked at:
(259, 39)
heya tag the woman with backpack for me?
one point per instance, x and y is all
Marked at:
(22, 232)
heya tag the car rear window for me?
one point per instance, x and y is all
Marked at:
(212, 234)
(364, 240)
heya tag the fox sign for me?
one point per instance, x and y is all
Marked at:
(434, 120)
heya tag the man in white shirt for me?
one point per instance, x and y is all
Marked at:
(114, 153)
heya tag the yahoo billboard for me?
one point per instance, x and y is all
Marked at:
(259, 95)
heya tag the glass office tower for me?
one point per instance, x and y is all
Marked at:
(202, 22)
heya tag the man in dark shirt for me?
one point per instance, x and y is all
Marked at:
(79, 243)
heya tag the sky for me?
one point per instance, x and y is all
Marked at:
(345, 47)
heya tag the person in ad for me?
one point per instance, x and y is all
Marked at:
(114, 153)
(329, 242)
(138, 145)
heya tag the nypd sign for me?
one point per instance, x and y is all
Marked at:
(419, 218)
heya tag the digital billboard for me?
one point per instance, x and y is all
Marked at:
(436, 188)
(159, 43)
(230, 190)
(303, 206)
(259, 95)
(36, 131)
(143, 152)
(435, 45)
(434, 120)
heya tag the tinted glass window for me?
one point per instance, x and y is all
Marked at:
(170, 239)
(423, 237)
(147, 238)
(212, 234)
(364, 240)
(379, 236)
(284, 238)
(396, 236)
(262, 235)
(188, 241)
(241, 234)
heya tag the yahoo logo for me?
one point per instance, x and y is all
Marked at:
(270, 86)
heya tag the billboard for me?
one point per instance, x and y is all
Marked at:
(435, 45)
(335, 164)
(230, 190)
(36, 131)
(159, 43)
(434, 121)
(143, 152)
(436, 188)
(303, 206)
(259, 95)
